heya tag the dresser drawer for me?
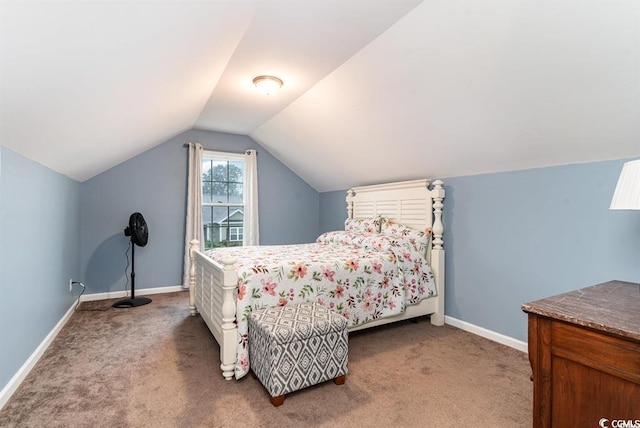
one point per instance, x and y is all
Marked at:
(609, 354)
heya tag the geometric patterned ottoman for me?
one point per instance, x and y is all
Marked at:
(295, 346)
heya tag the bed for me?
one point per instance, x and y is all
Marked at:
(225, 284)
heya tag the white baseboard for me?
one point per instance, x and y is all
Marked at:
(139, 291)
(487, 334)
(22, 373)
(17, 379)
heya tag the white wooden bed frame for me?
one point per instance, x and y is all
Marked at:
(417, 204)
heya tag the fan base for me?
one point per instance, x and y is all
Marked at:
(128, 303)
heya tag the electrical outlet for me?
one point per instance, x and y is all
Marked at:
(70, 284)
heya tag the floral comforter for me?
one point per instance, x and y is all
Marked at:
(361, 276)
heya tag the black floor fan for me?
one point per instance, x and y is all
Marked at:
(139, 234)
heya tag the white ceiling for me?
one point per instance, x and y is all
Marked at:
(375, 90)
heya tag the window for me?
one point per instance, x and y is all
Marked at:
(223, 177)
(235, 234)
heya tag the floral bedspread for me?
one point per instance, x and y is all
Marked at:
(361, 276)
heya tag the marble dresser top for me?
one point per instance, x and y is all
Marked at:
(612, 307)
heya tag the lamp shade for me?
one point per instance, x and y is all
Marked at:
(627, 193)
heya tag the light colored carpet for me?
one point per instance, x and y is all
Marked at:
(156, 366)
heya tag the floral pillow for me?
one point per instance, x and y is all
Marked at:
(338, 237)
(418, 239)
(363, 225)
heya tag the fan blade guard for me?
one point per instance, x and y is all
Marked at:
(138, 229)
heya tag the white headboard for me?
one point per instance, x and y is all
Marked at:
(417, 204)
(411, 203)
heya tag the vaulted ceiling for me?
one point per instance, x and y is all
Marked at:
(375, 90)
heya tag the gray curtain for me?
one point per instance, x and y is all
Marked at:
(194, 206)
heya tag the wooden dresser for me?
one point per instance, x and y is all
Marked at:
(584, 348)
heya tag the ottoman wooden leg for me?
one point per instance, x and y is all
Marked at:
(340, 379)
(277, 401)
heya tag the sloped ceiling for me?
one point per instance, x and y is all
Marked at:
(375, 90)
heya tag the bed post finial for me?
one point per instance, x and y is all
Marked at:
(194, 245)
(438, 227)
(350, 195)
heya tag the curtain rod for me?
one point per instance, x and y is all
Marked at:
(222, 151)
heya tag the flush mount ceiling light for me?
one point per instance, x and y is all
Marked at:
(267, 84)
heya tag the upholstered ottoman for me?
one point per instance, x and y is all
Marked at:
(295, 346)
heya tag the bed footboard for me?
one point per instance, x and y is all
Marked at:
(212, 294)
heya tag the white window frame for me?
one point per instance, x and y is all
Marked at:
(210, 155)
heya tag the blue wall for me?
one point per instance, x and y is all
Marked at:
(333, 210)
(518, 236)
(39, 253)
(154, 183)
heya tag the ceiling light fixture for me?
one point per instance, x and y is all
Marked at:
(267, 84)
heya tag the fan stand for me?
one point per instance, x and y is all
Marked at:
(133, 300)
